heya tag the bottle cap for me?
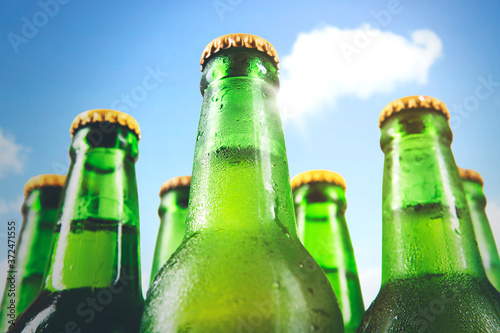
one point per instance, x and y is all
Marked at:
(318, 176)
(413, 102)
(174, 183)
(101, 115)
(239, 40)
(472, 175)
(43, 181)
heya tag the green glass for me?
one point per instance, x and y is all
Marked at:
(173, 213)
(39, 211)
(93, 283)
(320, 210)
(476, 201)
(432, 276)
(241, 266)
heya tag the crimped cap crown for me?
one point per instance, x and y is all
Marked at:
(318, 176)
(472, 175)
(100, 115)
(46, 180)
(239, 40)
(413, 102)
(174, 183)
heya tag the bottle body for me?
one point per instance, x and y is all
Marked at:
(173, 213)
(432, 276)
(93, 281)
(241, 266)
(32, 253)
(476, 201)
(320, 210)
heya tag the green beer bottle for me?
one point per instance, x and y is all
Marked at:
(93, 283)
(40, 207)
(432, 276)
(174, 195)
(476, 201)
(241, 266)
(320, 206)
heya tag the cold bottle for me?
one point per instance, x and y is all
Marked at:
(476, 201)
(174, 197)
(320, 206)
(432, 276)
(31, 253)
(241, 266)
(93, 282)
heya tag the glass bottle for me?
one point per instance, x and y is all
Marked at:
(320, 206)
(241, 266)
(174, 197)
(93, 282)
(432, 276)
(476, 201)
(42, 194)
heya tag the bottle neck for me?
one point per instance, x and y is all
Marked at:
(240, 157)
(172, 213)
(476, 201)
(320, 211)
(97, 235)
(426, 223)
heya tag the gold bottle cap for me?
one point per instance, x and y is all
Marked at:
(39, 181)
(413, 102)
(318, 176)
(174, 183)
(239, 40)
(100, 115)
(472, 175)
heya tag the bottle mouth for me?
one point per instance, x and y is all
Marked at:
(423, 124)
(239, 62)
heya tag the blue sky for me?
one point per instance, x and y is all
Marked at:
(60, 58)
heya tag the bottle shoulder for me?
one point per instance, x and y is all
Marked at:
(435, 303)
(224, 279)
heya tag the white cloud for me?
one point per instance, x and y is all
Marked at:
(10, 207)
(493, 213)
(329, 63)
(12, 155)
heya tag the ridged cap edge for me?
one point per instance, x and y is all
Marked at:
(43, 181)
(413, 102)
(174, 183)
(318, 176)
(100, 115)
(472, 175)
(239, 40)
